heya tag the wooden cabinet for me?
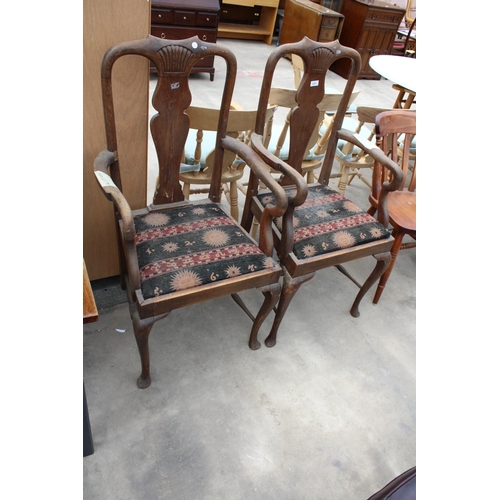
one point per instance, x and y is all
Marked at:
(248, 19)
(305, 18)
(179, 19)
(370, 27)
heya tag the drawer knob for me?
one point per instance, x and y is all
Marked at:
(159, 15)
(208, 19)
(184, 18)
(204, 37)
(163, 35)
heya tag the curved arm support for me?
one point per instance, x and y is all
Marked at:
(378, 155)
(101, 165)
(295, 197)
(260, 169)
(279, 165)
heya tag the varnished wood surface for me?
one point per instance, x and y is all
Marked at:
(304, 18)
(90, 313)
(403, 210)
(106, 23)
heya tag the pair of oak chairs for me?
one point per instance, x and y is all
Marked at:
(178, 252)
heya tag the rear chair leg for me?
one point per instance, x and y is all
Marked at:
(290, 287)
(383, 261)
(272, 295)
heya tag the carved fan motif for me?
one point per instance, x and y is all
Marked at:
(175, 58)
(321, 57)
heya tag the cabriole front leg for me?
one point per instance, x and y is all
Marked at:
(289, 289)
(142, 329)
(272, 295)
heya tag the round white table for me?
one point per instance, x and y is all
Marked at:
(400, 70)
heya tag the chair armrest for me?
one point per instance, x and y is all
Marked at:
(378, 155)
(277, 164)
(113, 193)
(295, 199)
(261, 170)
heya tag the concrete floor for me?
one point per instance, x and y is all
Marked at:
(328, 413)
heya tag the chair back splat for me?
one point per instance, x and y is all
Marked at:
(310, 93)
(171, 99)
(177, 252)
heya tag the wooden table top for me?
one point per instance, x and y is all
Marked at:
(89, 308)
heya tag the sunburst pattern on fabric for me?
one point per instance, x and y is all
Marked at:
(376, 232)
(343, 239)
(156, 219)
(309, 251)
(170, 247)
(184, 280)
(233, 271)
(351, 207)
(215, 237)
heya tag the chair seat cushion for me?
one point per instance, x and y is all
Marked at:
(328, 222)
(181, 248)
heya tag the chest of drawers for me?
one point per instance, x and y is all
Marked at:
(179, 19)
(305, 18)
(370, 27)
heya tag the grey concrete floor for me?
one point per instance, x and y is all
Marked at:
(328, 413)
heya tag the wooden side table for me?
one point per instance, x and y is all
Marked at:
(305, 18)
(89, 315)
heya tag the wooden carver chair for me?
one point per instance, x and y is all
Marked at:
(320, 228)
(199, 151)
(175, 252)
(395, 131)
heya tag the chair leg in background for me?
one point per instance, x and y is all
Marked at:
(344, 177)
(289, 289)
(233, 195)
(398, 238)
(383, 261)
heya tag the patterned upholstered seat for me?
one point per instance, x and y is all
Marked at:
(327, 222)
(182, 248)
